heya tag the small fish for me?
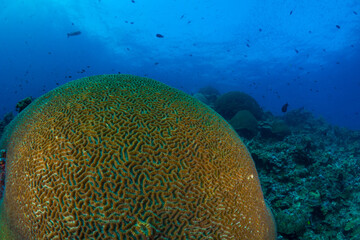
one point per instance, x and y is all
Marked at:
(284, 107)
(355, 12)
(132, 1)
(260, 30)
(71, 34)
(297, 51)
(182, 16)
(338, 27)
(159, 35)
(247, 45)
(291, 12)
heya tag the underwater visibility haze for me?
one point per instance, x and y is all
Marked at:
(304, 53)
(105, 152)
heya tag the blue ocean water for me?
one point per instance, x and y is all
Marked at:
(303, 53)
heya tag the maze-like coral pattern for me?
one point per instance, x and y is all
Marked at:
(125, 157)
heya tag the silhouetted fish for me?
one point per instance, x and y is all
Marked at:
(297, 51)
(290, 12)
(284, 108)
(159, 35)
(355, 13)
(338, 26)
(71, 34)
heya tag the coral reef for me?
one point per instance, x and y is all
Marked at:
(202, 98)
(125, 157)
(309, 172)
(272, 127)
(311, 178)
(5, 121)
(211, 94)
(244, 123)
(21, 105)
(228, 104)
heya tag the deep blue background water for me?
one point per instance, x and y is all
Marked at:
(277, 51)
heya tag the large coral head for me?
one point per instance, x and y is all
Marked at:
(125, 157)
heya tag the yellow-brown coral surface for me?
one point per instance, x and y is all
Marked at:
(125, 157)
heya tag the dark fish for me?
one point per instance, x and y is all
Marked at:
(290, 12)
(71, 34)
(247, 45)
(338, 26)
(182, 17)
(284, 108)
(260, 29)
(132, 1)
(297, 51)
(159, 35)
(355, 13)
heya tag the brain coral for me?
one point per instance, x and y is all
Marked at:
(125, 157)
